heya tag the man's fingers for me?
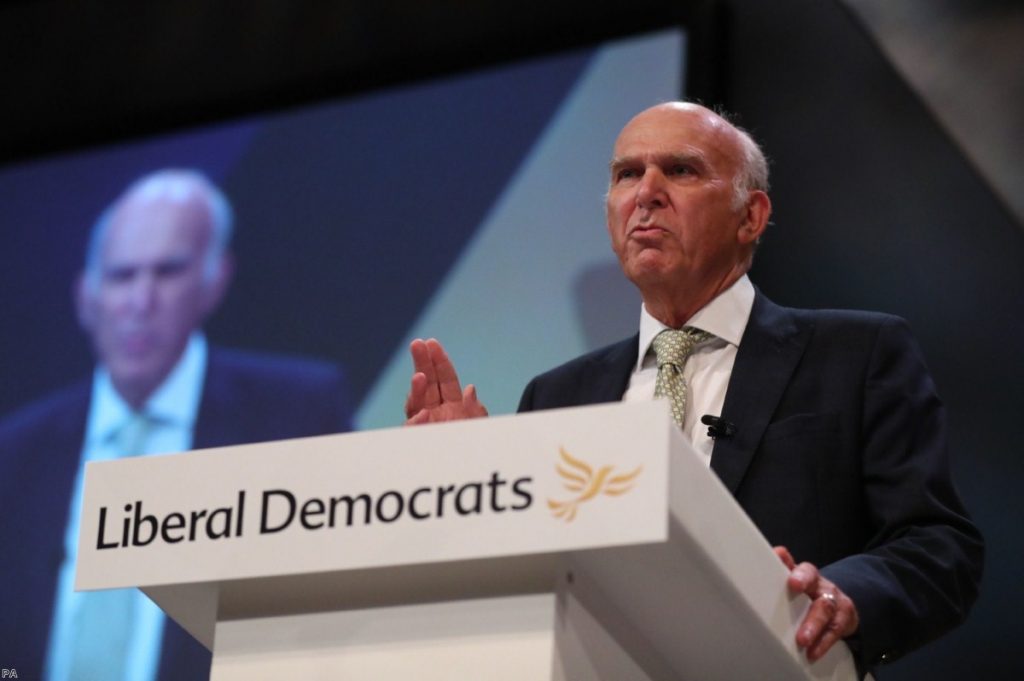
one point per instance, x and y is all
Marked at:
(832, 615)
(843, 622)
(434, 391)
(447, 379)
(422, 416)
(420, 356)
(804, 578)
(472, 403)
(818, 616)
(417, 392)
(828, 638)
(423, 363)
(785, 556)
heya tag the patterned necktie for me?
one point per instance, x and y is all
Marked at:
(103, 622)
(132, 436)
(672, 347)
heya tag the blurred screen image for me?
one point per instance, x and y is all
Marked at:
(262, 278)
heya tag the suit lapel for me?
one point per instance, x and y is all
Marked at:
(769, 352)
(218, 408)
(58, 452)
(611, 370)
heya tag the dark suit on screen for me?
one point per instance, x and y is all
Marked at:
(839, 454)
(246, 398)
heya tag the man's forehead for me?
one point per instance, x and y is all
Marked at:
(674, 130)
(151, 225)
(143, 205)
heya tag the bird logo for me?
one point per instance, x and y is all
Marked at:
(581, 479)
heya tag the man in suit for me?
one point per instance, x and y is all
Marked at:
(830, 434)
(157, 266)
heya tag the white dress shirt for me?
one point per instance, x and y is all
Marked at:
(174, 407)
(708, 369)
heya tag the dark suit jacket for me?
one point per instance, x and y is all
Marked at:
(839, 454)
(246, 398)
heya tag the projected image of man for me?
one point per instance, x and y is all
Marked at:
(157, 266)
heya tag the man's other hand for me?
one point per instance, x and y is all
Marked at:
(832, 615)
(435, 394)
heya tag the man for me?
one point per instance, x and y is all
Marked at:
(831, 435)
(157, 266)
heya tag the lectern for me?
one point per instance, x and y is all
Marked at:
(584, 544)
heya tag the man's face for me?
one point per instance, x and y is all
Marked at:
(670, 205)
(149, 292)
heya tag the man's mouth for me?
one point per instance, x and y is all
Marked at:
(644, 231)
(136, 343)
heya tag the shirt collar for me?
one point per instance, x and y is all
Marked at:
(725, 317)
(175, 401)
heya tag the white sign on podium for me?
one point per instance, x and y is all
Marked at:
(571, 544)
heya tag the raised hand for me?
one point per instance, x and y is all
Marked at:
(435, 394)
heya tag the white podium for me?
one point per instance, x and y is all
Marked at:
(573, 544)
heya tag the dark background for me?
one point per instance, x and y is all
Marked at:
(875, 207)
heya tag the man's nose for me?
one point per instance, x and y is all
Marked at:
(650, 193)
(142, 293)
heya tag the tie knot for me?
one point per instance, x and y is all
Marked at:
(673, 346)
(132, 436)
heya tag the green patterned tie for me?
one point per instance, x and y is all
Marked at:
(104, 620)
(134, 433)
(672, 347)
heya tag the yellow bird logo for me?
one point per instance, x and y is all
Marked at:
(580, 478)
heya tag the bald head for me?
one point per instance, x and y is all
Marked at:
(751, 170)
(189, 193)
(686, 204)
(155, 269)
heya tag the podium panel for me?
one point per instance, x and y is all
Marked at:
(507, 638)
(585, 543)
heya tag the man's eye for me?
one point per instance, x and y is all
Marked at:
(166, 270)
(626, 174)
(119, 275)
(681, 169)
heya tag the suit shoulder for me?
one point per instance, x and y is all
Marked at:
(598, 376)
(849, 317)
(272, 369)
(608, 353)
(65, 408)
(255, 397)
(859, 324)
(877, 339)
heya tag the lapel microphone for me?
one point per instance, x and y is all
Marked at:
(718, 427)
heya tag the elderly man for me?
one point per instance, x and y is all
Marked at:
(831, 436)
(157, 266)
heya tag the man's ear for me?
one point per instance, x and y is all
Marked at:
(755, 219)
(83, 300)
(217, 285)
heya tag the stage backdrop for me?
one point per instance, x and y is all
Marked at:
(468, 208)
